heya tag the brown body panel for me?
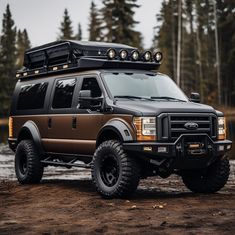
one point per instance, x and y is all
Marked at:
(62, 137)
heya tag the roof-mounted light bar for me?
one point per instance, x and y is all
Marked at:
(69, 56)
(134, 55)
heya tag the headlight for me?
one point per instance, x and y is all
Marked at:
(146, 128)
(221, 128)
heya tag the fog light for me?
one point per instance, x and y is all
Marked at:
(162, 149)
(221, 147)
(148, 149)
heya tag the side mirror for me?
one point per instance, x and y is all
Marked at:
(195, 97)
(85, 94)
(86, 101)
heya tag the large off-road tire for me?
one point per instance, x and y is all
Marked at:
(28, 168)
(210, 180)
(114, 173)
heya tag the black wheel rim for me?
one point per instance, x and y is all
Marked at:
(109, 170)
(23, 164)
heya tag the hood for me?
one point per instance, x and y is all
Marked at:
(145, 107)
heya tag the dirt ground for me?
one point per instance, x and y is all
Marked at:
(69, 206)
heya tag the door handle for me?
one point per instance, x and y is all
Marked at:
(74, 122)
(49, 123)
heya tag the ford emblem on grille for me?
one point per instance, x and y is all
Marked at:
(191, 125)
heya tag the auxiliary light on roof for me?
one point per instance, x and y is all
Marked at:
(135, 55)
(111, 53)
(157, 56)
(123, 54)
(147, 56)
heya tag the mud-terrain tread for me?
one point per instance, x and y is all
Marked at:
(130, 171)
(35, 168)
(218, 177)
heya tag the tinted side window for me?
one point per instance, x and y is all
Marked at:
(63, 93)
(32, 96)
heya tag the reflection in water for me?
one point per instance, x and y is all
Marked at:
(230, 129)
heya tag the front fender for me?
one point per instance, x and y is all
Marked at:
(120, 127)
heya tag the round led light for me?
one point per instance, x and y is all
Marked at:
(123, 54)
(111, 53)
(157, 56)
(135, 55)
(147, 56)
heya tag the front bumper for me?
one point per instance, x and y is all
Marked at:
(181, 152)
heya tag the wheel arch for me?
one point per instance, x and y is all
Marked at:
(114, 129)
(30, 131)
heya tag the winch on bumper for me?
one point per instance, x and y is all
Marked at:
(188, 151)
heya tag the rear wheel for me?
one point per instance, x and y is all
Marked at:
(210, 180)
(114, 173)
(28, 167)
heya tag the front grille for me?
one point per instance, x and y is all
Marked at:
(173, 125)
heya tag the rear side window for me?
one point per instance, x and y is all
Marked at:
(32, 96)
(63, 95)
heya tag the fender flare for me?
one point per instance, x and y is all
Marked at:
(31, 128)
(121, 128)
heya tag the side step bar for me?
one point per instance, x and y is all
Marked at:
(58, 162)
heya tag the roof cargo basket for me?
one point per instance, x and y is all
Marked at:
(72, 55)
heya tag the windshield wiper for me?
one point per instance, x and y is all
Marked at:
(132, 97)
(166, 98)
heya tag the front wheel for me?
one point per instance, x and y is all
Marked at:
(114, 173)
(209, 180)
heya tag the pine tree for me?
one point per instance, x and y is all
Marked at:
(66, 29)
(27, 42)
(22, 44)
(79, 34)
(94, 24)
(107, 19)
(166, 35)
(226, 30)
(7, 60)
(118, 16)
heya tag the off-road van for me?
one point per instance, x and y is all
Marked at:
(104, 106)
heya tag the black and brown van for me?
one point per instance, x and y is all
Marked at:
(105, 107)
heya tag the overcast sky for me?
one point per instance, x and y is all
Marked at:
(42, 18)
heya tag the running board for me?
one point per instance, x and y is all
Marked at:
(57, 162)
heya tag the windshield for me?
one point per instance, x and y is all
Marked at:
(143, 86)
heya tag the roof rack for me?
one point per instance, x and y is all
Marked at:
(70, 55)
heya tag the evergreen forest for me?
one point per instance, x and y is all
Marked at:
(196, 37)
